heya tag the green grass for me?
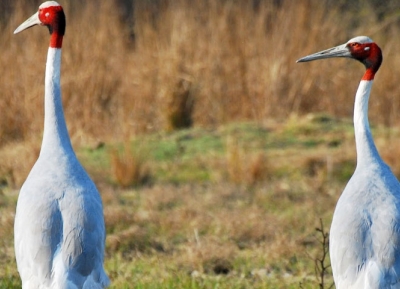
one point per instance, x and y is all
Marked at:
(194, 226)
(147, 275)
(10, 282)
(191, 155)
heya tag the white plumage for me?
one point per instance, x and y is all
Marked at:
(59, 225)
(365, 230)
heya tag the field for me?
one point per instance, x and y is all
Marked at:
(233, 207)
(218, 158)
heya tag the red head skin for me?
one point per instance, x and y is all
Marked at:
(53, 17)
(369, 54)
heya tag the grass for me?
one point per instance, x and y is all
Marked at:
(197, 226)
(231, 61)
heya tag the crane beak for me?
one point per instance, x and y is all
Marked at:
(338, 51)
(33, 20)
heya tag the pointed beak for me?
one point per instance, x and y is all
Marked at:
(33, 20)
(338, 51)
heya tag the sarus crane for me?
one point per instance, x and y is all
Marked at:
(365, 232)
(59, 231)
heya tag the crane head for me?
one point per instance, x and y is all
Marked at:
(361, 48)
(50, 14)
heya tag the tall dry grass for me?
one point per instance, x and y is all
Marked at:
(123, 66)
(128, 166)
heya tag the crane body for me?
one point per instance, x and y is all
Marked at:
(59, 231)
(364, 242)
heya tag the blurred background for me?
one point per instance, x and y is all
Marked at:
(133, 66)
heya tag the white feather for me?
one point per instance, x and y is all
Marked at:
(59, 226)
(365, 235)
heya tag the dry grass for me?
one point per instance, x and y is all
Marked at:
(245, 167)
(189, 63)
(128, 166)
(17, 160)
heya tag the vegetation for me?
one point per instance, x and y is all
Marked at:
(194, 224)
(217, 156)
(131, 67)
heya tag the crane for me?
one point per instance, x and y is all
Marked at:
(365, 230)
(59, 231)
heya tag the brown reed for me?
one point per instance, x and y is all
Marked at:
(122, 68)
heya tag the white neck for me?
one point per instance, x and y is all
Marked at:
(366, 150)
(55, 136)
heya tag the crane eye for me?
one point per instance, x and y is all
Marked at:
(354, 44)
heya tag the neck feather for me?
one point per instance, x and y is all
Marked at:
(366, 149)
(369, 74)
(55, 135)
(56, 40)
